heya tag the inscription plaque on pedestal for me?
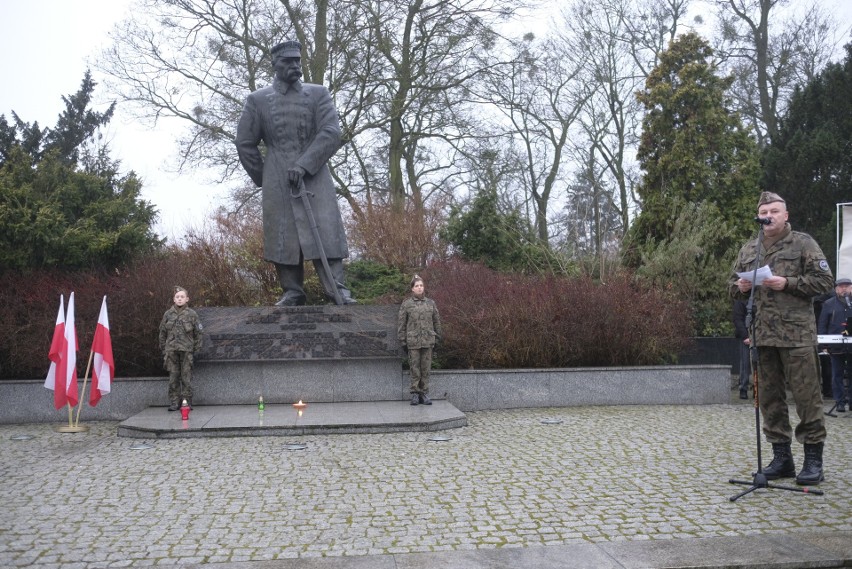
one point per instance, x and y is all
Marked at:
(315, 353)
(297, 333)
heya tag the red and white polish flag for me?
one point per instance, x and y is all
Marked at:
(71, 393)
(103, 369)
(56, 357)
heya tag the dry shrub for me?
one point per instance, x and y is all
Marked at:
(219, 267)
(228, 264)
(28, 307)
(136, 299)
(497, 320)
(491, 319)
(143, 292)
(398, 238)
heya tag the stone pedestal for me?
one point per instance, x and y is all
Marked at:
(313, 353)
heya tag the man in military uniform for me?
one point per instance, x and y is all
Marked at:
(180, 338)
(299, 126)
(785, 336)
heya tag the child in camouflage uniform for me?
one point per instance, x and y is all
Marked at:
(180, 337)
(419, 328)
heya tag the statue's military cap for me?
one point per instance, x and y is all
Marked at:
(289, 48)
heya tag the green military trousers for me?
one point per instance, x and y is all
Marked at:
(179, 366)
(796, 369)
(420, 362)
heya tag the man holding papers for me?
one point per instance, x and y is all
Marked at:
(785, 335)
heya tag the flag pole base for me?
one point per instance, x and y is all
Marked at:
(72, 429)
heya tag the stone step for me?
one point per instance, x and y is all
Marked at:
(284, 420)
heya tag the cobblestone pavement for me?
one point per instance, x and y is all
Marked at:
(604, 474)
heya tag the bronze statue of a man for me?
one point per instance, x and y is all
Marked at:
(300, 128)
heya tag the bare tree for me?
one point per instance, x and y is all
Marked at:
(621, 41)
(770, 51)
(422, 62)
(537, 97)
(647, 27)
(189, 60)
(398, 72)
(589, 219)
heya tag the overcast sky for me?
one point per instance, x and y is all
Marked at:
(46, 46)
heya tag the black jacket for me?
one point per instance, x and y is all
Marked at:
(833, 317)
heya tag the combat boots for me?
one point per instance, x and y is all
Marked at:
(811, 473)
(782, 465)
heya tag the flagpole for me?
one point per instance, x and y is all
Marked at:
(83, 393)
(71, 427)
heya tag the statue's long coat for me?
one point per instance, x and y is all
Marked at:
(299, 125)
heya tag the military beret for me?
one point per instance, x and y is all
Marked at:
(839, 282)
(769, 197)
(289, 48)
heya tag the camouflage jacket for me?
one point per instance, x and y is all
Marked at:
(419, 325)
(785, 318)
(180, 330)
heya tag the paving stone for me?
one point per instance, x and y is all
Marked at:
(607, 479)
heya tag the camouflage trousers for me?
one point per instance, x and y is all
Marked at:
(420, 362)
(179, 366)
(796, 369)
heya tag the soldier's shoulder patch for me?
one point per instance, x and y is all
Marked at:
(823, 264)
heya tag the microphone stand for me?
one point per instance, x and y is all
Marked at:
(830, 412)
(759, 480)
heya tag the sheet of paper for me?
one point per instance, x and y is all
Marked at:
(763, 273)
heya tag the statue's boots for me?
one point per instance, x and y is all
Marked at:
(782, 465)
(291, 300)
(811, 473)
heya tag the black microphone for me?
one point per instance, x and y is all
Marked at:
(763, 220)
